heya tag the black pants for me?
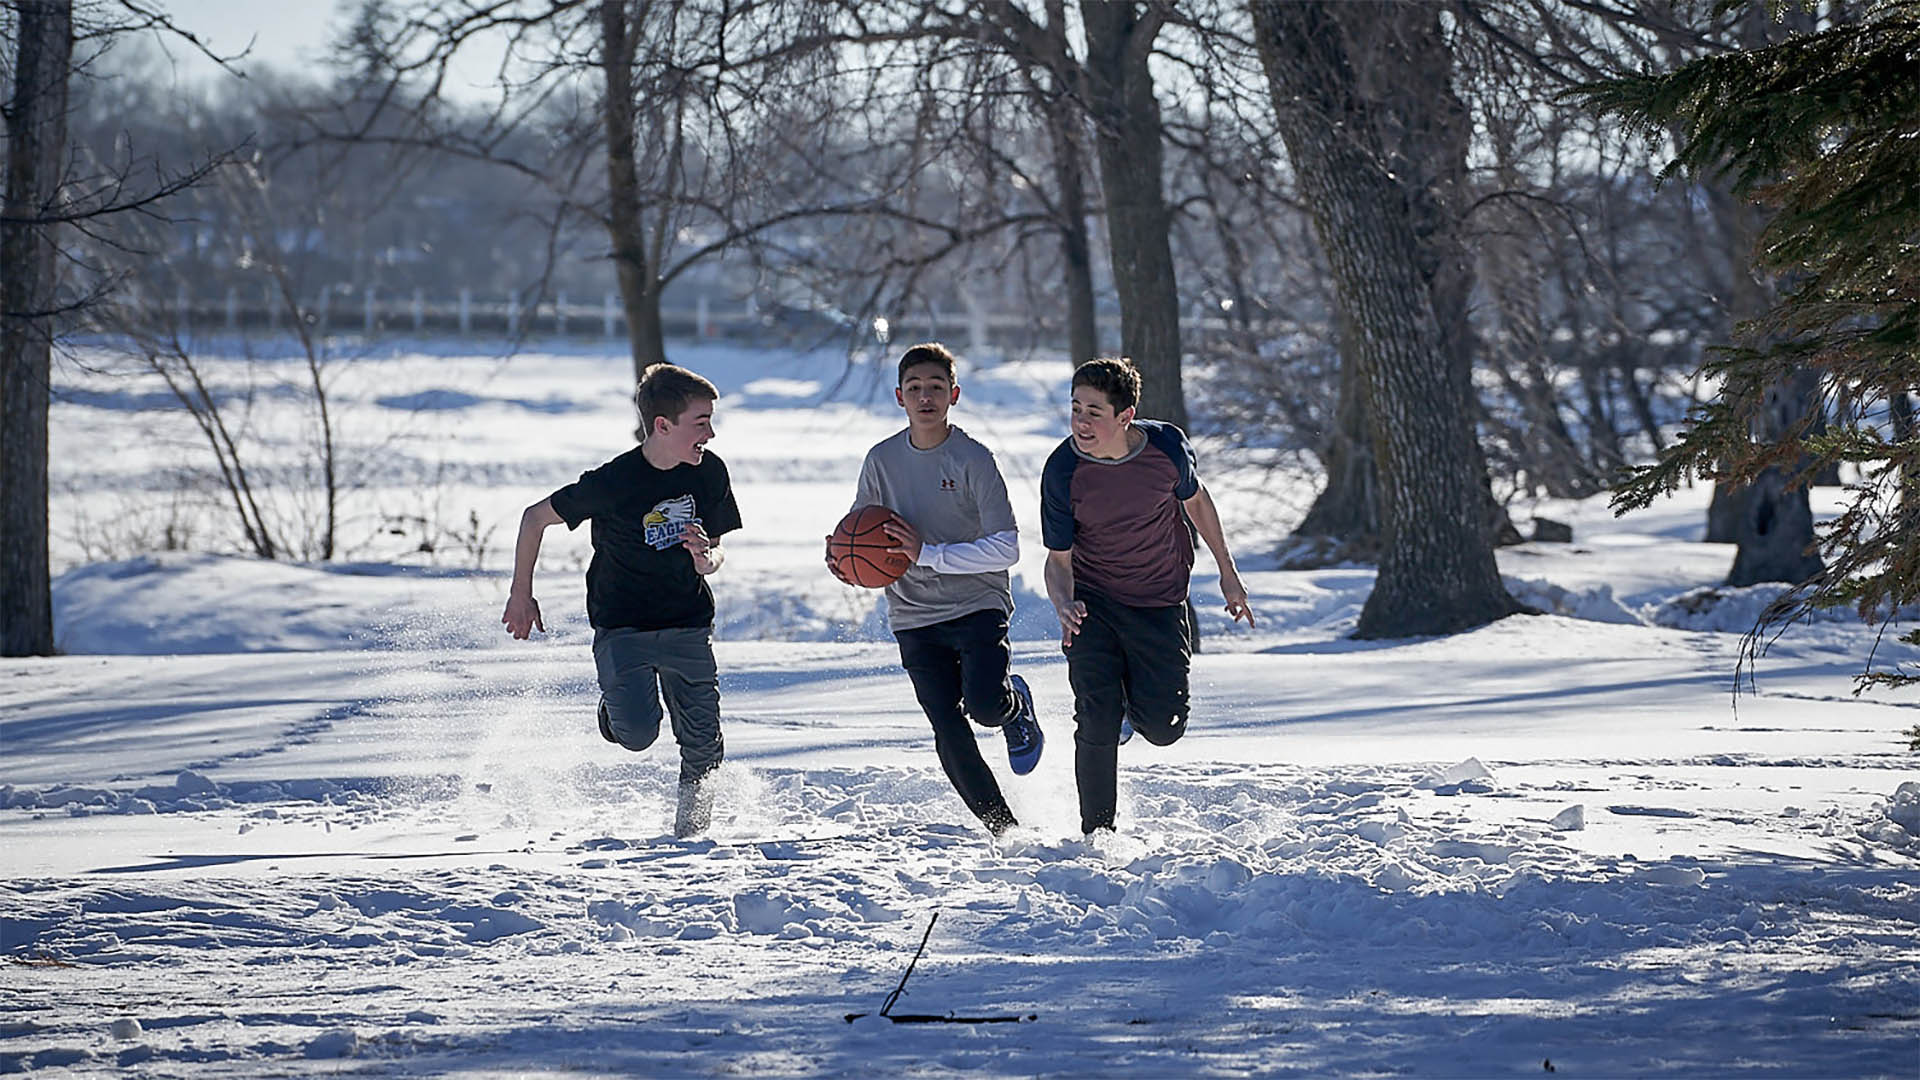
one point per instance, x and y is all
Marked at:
(1125, 661)
(959, 669)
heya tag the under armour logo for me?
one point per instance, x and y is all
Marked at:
(948, 483)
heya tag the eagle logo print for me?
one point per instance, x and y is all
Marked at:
(666, 519)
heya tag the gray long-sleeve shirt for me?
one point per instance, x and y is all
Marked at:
(954, 496)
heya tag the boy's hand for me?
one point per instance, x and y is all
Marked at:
(906, 540)
(694, 538)
(832, 566)
(1236, 597)
(522, 616)
(1071, 616)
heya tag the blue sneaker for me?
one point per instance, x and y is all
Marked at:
(1024, 737)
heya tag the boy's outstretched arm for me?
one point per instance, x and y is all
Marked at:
(523, 611)
(1206, 521)
(1059, 576)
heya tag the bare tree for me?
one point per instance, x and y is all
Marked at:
(1112, 86)
(1041, 47)
(45, 196)
(36, 120)
(1561, 45)
(1397, 295)
(1126, 115)
(692, 108)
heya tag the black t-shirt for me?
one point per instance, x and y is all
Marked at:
(640, 576)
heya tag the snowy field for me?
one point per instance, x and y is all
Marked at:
(287, 820)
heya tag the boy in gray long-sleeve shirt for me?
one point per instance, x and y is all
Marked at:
(949, 610)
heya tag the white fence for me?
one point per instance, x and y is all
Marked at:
(375, 314)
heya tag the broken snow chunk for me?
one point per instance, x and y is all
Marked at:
(192, 783)
(1673, 874)
(1393, 877)
(1572, 819)
(1651, 811)
(1885, 832)
(1380, 832)
(1467, 771)
(310, 790)
(1904, 808)
(1596, 604)
(127, 1028)
(338, 1043)
(76, 796)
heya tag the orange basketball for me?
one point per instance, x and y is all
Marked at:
(858, 548)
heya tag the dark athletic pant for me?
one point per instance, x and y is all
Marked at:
(959, 669)
(639, 667)
(1129, 661)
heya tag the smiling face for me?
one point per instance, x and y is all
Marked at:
(683, 441)
(1098, 430)
(926, 391)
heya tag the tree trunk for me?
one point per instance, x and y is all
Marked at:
(36, 155)
(1900, 413)
(1774, 530)
(1076, 252)
(1055, 96)
(1748, 295)
(1348, 508)
(646, 333)
(1421, 131)
(1427, 133)
(639, 284)
(1139, 224)
(1773, 527)
(1724, 512)
(1642, 405)
(1437, 573)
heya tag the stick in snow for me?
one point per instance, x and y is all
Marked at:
(886, 1007)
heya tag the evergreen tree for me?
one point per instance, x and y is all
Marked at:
(1823, 130)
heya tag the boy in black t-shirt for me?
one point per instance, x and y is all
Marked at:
(658, 513)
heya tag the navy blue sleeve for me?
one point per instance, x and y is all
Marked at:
(1171, 441)
(1056, 498)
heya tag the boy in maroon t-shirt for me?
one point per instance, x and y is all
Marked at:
(1119, 505)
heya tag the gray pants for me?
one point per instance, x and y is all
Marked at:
(639, 667)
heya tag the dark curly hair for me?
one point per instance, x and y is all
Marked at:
(1114, 376)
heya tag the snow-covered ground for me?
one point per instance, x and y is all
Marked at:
(271, 819)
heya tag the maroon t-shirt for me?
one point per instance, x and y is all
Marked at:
(1122, 518)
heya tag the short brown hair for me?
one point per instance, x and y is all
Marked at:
(927, 352)
(1114, 376)
(666, 390)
